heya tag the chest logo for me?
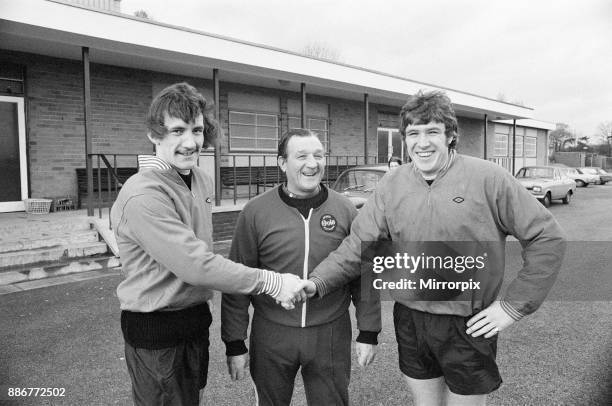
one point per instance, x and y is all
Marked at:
(328, 223)
(208, 200)
(458, 199)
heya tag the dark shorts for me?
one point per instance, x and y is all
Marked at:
(435, 345)
(168, 376)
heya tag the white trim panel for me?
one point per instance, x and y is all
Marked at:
(106, 31)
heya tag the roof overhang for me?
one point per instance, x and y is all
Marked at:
(60, 30)
(542, 125)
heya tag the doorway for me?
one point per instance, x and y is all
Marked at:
(13, 163)
(389, 144)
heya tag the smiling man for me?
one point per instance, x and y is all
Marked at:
(162, 220)
(447, 344)
(291, 228)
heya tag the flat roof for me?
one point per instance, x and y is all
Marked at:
(543, 125)
(58, 29)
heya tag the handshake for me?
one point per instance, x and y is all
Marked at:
(294, 290)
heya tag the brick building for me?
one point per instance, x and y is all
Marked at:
(72, 76)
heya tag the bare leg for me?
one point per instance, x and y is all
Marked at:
(427, 392)
(453, 399)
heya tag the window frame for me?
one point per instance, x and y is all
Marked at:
(255, 126)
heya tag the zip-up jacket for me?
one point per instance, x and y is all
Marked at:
(164, 235)
(471, 201)
(272, 235)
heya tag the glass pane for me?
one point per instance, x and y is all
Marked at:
(242, 118)
(242, 131)
(266, 144)
(267, 132)
(10, 180)
(383, 146)
(242, 143)
(266, 120)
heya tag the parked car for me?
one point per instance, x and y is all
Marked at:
(359, 182)
(602, 176)
(547, 183)
(581, 179)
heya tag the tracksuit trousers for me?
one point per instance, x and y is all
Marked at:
(323, 352)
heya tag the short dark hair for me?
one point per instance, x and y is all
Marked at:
(296, 132)
(181, 100)
(395, 159)
(426, 107)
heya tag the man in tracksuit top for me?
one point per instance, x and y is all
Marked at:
(447, 348)
(163, 224)
(290, 229)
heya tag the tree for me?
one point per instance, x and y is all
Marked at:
(321, 51)
(142, 14)
(561, 136)
(604, 131)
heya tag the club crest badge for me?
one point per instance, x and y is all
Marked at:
(328, 223)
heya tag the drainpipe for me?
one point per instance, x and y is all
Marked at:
(366, 124)
(218, 146)
(513, 145)
(86, 121)
(485, 137)
(303, 90)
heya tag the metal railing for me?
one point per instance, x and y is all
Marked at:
(503, 161)
(241, 175)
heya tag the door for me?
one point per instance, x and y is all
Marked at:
(13, 165)
(389, 144)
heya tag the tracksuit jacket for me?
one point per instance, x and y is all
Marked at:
(471, 201)
(164, 235)
(272, 235)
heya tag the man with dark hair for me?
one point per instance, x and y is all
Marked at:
(447, 345)
(163, 224)
(291, 228)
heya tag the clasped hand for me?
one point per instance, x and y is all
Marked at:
(294, 290)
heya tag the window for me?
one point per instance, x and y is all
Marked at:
(501, 140)
(530, 147)
(318, 125)
(518, 148)
(253, 131)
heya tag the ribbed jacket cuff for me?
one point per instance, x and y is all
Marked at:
(368, 337)
(512, 312)
(321, 288)
(233, 348)
(272, 283)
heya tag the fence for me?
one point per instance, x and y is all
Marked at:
(241, 176)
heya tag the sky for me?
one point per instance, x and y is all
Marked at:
(554, 56)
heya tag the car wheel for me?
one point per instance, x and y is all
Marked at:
(546, 200)
(580, 183)
(567, 198)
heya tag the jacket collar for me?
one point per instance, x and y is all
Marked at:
(152, 162)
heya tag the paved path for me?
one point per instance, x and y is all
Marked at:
(67, 335)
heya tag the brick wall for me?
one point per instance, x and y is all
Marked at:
(120, 98)
(471, 133)
(224, 224)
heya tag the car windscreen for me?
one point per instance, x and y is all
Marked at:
(358, 180)
(590, 171)
(536, 173)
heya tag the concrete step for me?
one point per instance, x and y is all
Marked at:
(35, 240)
(11, 230)
(28, 258)
(47, 270)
